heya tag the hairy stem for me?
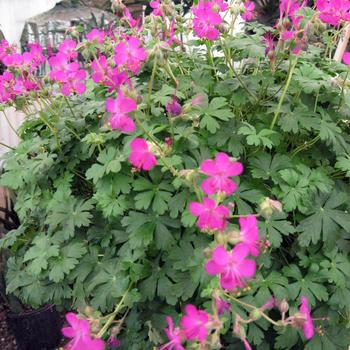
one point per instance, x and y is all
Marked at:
(289, 79)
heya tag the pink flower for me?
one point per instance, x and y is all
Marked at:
(250, 233)
(219, 171)
(96, 36)
(346, 58)
(157, 8)
(140, 156)
(120, 109)
(79, 331)
(130, 19)
(288, 35)
(113, 342)
(104, 74)
(249, 13)
(308, 326)
(68, 48)
(194, 323)
(211, 216)
(174, 335)
(174, 108)
(131, 54)
(333, 11)
(221, 306)
(232, 266)
(206, 19)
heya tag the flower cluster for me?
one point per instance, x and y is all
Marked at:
(19, 77)
(66, 70)
(207, 18)
(333, 12)
(79, 332)
(289, 26)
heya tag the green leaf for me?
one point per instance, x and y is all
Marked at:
(308, 285)
(276, 226)
(265, 166)
(39, 254)
(343, 164)
(66, 261)
(325, 218)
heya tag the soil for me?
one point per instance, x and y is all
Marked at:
(7, 340)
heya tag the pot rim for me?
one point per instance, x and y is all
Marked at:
(30, 313)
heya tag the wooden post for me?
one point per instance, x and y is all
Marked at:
(343, 42)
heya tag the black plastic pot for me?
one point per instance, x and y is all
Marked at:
(36, 330)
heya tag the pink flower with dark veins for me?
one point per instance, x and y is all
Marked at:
(131, 54)
(210, 215)
(249, 233)
(194, 323)
(219, 171)
(175, 336)
(233, 267)
(120, 109)
(79, 331)
(140, 156)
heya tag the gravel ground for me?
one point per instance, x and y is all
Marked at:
(7, 340)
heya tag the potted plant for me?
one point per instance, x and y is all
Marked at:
(200, 182)
(33, 329)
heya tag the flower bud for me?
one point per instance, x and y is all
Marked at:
(283, 306)
(89, 311)
(269, 206)
(233, 237)
(220, 238)
(94, 326)
(174, 108)
(255, 314)
(207, 252)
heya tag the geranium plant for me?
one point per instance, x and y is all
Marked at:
(202, 183)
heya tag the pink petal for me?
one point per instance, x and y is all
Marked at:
(208, 167)
(139, 144)
(196, 208)
(240, 252)
(247, 268)
(68, 332)
(149, 162)
(208, 186)
(221, 256)
(212, 268)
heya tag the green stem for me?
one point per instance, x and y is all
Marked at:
(305, 146)
(234, 72)
(249, 306)
(70, 107)
(113, 315)
(289, 79)
(9, 123)
(210, 59)
(342, 89)
(170, 72)
(150, 85)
